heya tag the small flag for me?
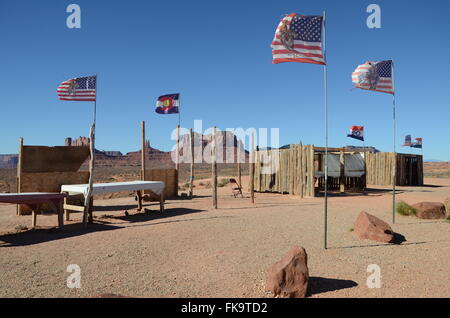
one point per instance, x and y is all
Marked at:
(407, 141)
(374, 76)
(78, 89)
(168, 104)
(417, 143)
(357, 132)
(298, 38)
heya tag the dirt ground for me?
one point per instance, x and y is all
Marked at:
(191, 250)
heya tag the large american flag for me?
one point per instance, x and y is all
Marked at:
(78, 89)
(298, 38)
(374, 76)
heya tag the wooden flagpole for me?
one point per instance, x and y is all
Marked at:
(143, 152)
(214, 168)
(88, 202)
(191, 179)
(177, 164)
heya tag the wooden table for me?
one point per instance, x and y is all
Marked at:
(101, 188)
(34, 201)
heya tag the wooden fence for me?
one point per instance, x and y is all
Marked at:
(380, 169)
(286, 171)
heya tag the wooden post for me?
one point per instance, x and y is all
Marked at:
(161, 201)
(66, 211)
(60, 214)
(91, 210)
(143, 152)
(311, 175)
(300, 169)
(19, 171)
(239, 164)
(252, 167)
(87, 198)
(191, 178)
(177, 160)
(214, 168)
(342, 171)
(139, 197)
(34, 212)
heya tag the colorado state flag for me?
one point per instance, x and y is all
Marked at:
(168, 104)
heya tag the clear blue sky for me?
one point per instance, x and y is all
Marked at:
(217, 55)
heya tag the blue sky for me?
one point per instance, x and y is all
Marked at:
(217, 55)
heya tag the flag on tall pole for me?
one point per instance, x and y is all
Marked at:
(83, 89)
(298, 38)
(379, 77)
(301, 38)
(417, 143)
(357, 132)
(374, 76)
(407, 141)
(168, 104)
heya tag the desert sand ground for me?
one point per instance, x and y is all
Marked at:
(191, 250)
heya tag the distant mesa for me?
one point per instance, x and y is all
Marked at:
(8, 161)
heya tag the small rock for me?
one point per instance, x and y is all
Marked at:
(430, 210)
(289, 276)
(369, 227)
(126, 213)
(21, 228)
(447, 205)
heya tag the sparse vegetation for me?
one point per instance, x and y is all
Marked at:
(404, 208)
(223, 183)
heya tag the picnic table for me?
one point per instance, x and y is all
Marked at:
(34, 201)
(156, 187)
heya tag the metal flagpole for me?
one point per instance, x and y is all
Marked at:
(394, 181)
(326, 136)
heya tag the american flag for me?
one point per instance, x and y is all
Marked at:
(374, 76)
(78, 89)
(298, 38)
(407, 141)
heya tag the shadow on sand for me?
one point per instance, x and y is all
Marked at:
(42, 235)
(318, 285)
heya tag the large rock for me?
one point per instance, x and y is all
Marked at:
(430, 210)
(289, 276)
(369, 227)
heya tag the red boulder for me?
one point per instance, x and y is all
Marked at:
(289, 276)
(430, 210)
(369, 227)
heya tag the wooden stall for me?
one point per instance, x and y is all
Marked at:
(380, 167)
(45, 169)
(170, 178)
(299, 170)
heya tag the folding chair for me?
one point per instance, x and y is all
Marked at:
(236, 188)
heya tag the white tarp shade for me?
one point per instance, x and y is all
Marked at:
(354, 165)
